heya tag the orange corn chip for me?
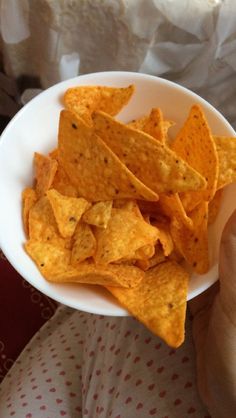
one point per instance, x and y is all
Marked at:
(54, 264)
(193, 243)
(92, 167)
(152, 162)
(84, 244)
(113, 99)
(124, 235)
(214, 206)
(29, 198)
(99, 214)
(45, 170)
(154, 125)
(67, 211)
(53, 154)
(42, 224)
(172, 206)
(164, 237)
(138, 123)
(62, 183)
(226, 150)
(83, 100)
(195, 144)
(159, 301)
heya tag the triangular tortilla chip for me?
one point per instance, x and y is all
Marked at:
(195, 144)
(159, 301)
(99, 214)
(45, 170)
(29, 198)
(42, 224)
(124, 235)
(84, 244)
(193, 243)
(67, 211)
(214, 206)
(226, 150)
(152, 162)
(92, 167)
(83, 100)
(54, 264)
(154, 125)
(172, 206)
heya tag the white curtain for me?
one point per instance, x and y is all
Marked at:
(192, 42)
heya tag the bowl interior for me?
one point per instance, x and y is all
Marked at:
(35, 128)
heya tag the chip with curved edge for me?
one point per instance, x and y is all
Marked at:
(92, 167)
(148, 159)
(67, 211)
(159, 301)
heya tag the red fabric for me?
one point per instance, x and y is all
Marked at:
(23, 310)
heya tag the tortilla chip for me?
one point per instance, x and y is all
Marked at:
(157, 258)
(113, 99)
(226, 150)
(138, 123)
(45, 170)
(164, 237)
(154, 125)
(172, 207)
(53, 154)
(67, 211)
(99, 214)
(159, 301)
(29, 198)
(62, 183)
(152, 162)
(84, 244)
(214, 206)
(124, 235)
(193, 243)
(54, 264)
(189, 201)
(145, 252)
(195, 144)
(42, 224)
(92, 167)
(50, 258)
(83, 100)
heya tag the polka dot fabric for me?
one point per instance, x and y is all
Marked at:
(83, 365)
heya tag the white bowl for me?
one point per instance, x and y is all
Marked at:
(35, 128)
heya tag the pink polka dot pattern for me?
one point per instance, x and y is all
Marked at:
(83, 365)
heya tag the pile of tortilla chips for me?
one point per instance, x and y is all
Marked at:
(123, 206)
